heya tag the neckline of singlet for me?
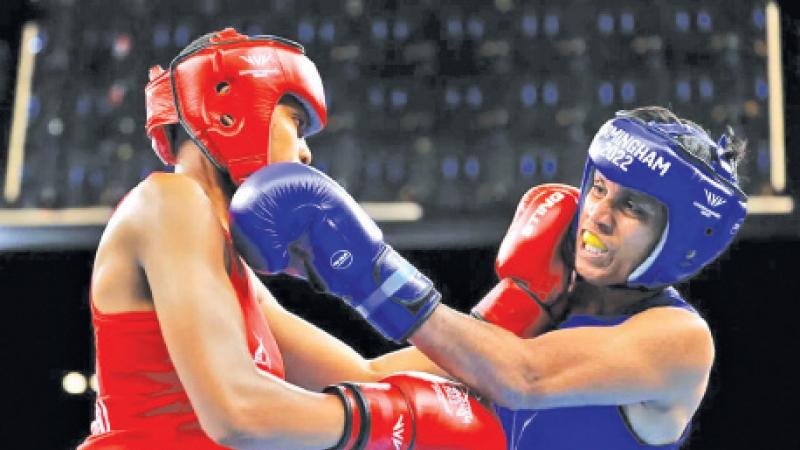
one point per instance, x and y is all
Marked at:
(667, 297)
(141, 315)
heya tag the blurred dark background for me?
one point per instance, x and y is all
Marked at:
(454, 107)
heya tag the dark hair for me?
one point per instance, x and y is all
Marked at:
(734, 152)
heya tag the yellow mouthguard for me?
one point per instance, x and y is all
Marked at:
(594, 241)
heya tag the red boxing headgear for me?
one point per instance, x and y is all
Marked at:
(223, 90)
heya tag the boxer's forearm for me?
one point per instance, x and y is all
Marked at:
(409, 358)
(484, 356)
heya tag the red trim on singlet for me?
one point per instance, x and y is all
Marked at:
(141, 402)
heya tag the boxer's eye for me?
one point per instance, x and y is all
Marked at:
(640, 207)
(300, 123)
(598, 189)
(634, 208)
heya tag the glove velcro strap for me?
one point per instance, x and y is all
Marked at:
(405, 272)
(401, 297)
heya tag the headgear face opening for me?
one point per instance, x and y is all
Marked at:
(705, 206)
(224, 90)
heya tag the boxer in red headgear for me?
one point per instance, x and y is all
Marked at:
(192, 349)
(223, 89)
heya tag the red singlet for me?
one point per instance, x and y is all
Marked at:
(141, 403)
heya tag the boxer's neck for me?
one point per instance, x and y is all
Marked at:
(586, 298)
(194, 164)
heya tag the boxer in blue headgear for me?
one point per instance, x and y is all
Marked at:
(618, 359)
(584, 342)
(704, 205)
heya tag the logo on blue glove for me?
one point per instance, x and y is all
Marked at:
(341, 259)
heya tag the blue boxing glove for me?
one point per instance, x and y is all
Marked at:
(284, 202)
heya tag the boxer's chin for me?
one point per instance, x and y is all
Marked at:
(604, 274)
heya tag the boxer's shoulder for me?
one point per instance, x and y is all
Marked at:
(166, 189)
(161, 202)
(164, 195)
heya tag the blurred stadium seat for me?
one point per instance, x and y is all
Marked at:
(460, 107)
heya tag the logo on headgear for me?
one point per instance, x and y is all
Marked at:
(259, 60)
(341, 259)
(713, 199)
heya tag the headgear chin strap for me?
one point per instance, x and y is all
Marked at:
(705, 206)
(224, 90)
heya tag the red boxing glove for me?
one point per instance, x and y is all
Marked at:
(529, 264)
(416, 411)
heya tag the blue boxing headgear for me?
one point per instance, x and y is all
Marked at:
(705, 206)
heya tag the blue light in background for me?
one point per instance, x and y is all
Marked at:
(34, 107)
(452, 96)
(605, 23)
(550, 93)
(706, 88)
(327, 31)
(605, 93)
(472, 167)
(38, 42)
(454, 27)
(683, 90)
(83, 105)
(450, 167)
(474, 96)
(305, 31)
(161, 36)
(759, 20)
(527, 95)
(761, 88)
(551, 24)
(549, 166)
(530, 25)
(475, 27)
(399, 98)
(380, 30)
(76, 175)
(704, 22)
(682, 20)
(762, 160)
(627, 22)
(527, 165)
(628, 92)
(182, 35)
(401, 30)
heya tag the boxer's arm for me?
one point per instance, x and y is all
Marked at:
(315, 359)
(660, 356)
(180, 246)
